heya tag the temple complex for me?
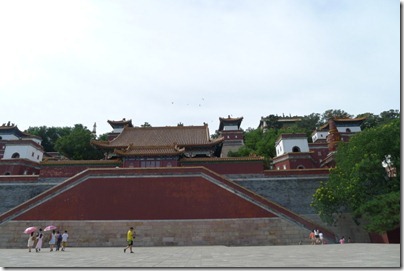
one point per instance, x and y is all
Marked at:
(175, 184)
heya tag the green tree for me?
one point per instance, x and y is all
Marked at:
(334, 113)
(76, 145)
(375, 120)
(146, 124)
(49, 135)
(359, 184)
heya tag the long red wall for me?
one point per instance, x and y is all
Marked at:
(227, 165)
(145, 199)
(58, 169)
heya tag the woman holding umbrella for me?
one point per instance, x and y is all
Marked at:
(31, 238)
(31, 241)
(39, 243)
(52, 240)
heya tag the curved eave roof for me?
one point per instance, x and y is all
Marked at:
(4, 129)
(150, 151)
(211, 143)
(183, 136)
(105, 144)
(357, 121)
(120, 123)
(236, 121)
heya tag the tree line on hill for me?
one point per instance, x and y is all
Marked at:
(74, 142)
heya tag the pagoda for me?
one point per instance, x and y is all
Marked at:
(233, 136)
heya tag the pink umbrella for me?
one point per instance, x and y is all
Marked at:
(51, 227)
(29, 230)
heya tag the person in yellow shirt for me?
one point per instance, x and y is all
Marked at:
(129, 238)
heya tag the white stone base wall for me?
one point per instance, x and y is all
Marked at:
(228, 232)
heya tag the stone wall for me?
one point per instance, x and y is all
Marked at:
(295, 193)
(13, 194)
(228, 232)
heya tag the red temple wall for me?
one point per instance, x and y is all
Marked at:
(229, 166)
(68, 169)
(145, 199)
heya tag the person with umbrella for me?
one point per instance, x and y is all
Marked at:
(31, 238)
(52, 238)
(31, 241)
(39, 243)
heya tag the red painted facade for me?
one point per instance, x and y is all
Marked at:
(65, 169)
(228, 166)
(19, 167)
(145, 199)
(294, 160)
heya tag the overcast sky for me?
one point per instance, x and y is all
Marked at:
(193, 61)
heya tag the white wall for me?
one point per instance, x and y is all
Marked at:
(26, 151)
(286, 145)
(319, 135)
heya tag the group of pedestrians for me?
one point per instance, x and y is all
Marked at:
(57, 240)
(316, 237)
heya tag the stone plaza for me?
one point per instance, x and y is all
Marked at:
(354, 255)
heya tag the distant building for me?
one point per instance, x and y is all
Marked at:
(277, 122)
(233, 136)
(20, 153)
(294, 152)
(159, 146)
(117, 126)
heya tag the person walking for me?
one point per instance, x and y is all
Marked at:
(321, 235)
(129, 238)
(312, 238)
(31, 241)
(39, 242)
(58, 240)
(52, 240)
(65, 235)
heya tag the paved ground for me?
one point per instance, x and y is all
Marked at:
(303, 256)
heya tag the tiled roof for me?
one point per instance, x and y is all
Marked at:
(182, 136)
(120, 123)
(13, 129)
(150, 150)
(236, 121)
(357, 121)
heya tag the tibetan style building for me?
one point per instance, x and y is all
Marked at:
(20, 153)
(160, 146)
(233, 136)
(117, 126)
(294, 152)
